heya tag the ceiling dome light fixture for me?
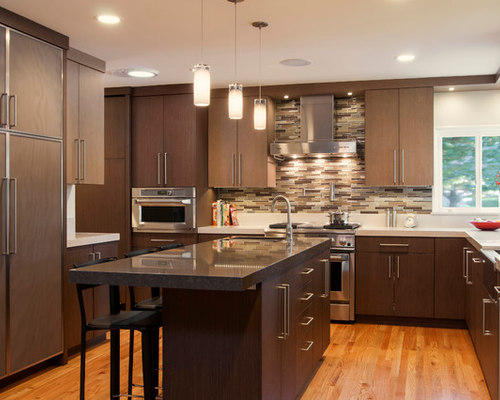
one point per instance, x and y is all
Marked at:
(201, 80)
(235, 99)
(135, 72)
(405, 57)
(295, 62)
(260, 104)
(108, 19)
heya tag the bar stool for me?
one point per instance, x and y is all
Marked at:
(150, 304)
(146, 322)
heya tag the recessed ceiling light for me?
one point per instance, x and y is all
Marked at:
(108, 19)
(135, 72)
(286, 96)
(451, 89)
(405, 57)
(295, 62)
(349, 93)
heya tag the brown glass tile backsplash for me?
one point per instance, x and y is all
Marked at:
(315, 175)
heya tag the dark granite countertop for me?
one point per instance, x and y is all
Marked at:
(224, 264)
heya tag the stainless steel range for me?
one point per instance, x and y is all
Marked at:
(342, 266)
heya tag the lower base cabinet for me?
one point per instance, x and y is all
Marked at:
(95, 300)
(296, 331)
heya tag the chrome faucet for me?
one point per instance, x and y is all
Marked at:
(289, 233)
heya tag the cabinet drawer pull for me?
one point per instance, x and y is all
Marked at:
(307, 297)
(497, 289)
(476, 260)
(394, 245)
(307, 271)
(310, 343)
(310, 319)
(486, 332)
(162, 240)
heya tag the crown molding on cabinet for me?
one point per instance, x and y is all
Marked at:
(86, 59)
(32, 28)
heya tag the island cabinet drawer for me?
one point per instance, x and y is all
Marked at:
(147, 240)
(305, 297)
(305, 353)
(395, 244)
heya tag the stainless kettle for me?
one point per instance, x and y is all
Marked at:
(339, 217)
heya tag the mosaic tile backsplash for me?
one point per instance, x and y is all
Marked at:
(306, 182)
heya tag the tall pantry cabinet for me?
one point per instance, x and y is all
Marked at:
(31, 126)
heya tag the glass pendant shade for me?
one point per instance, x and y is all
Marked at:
(235, 101)
(259, 114)
(201, 85)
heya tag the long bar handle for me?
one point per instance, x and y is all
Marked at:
(14, 180)
(394, 245)
(78, 159)
(390, 267)
(326, 294)
(158, 168)
(397, 267)
(395, 167)
(464, 258)
(486, 332)
(14, 96)
(310, 343)
(5, 181)
(4, 110)
(282, 335)
(233, 169)
(165, 167)
(83, 159)
(287, 325)
(467, 281)
(162, 240)
(403, 166)
(240, 168)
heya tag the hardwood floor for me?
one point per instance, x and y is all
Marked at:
(362, 362)
(398, 362)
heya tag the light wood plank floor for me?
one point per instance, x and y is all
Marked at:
(363, 362)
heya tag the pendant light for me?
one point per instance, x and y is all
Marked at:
(201, 81)
(235, 99)
(260, 104)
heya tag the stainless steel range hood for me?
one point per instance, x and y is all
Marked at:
(316, 132)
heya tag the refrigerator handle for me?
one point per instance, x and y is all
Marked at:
(4, 110)
(5, 183)
(15, 216)
(15, 110)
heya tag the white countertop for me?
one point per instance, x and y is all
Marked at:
(87, 238)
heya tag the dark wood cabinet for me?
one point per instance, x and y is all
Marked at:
(96, 300)
(374, 284)
(395, 277)
(238, 155)
(169, 141)
(296, 328)
(85, 124)
(3, 268)
(148, 240)
(106, 208)
(449, 282)
(399, 137)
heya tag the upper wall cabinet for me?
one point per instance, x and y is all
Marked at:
(169, 141)
(399, 137)
(34, 74)
(238, 155)
(85, 121)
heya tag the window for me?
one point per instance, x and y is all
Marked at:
(467, 160)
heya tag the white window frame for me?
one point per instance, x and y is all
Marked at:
(477, 131)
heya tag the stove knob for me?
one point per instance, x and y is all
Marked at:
(349, 244)
(170, 192)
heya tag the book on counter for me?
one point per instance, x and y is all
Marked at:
(224, 214)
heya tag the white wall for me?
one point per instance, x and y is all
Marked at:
(467, 108)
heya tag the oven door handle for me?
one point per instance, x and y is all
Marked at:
(339, 258)
(169, 201)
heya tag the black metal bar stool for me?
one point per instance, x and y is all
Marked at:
(146, 322)
(150, 304)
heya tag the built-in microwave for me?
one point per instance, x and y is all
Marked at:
(164, 209)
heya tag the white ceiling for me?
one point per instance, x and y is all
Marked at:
(345, 39)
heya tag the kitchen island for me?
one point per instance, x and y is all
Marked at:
(244, 318)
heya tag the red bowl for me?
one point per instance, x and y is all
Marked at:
(486, 226)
